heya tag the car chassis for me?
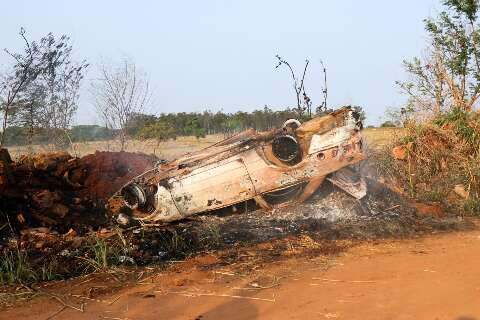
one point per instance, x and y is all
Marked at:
(275, 168)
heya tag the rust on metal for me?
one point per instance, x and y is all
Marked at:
(274, 168)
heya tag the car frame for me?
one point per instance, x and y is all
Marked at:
(274, 168)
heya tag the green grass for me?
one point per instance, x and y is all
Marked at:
(100, 256)
(15, 268)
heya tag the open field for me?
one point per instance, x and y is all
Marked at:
(379, 137)
(171, 149)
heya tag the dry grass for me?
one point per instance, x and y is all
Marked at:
(376, 137)
(380, 137)
(441, 161)
(166, 150)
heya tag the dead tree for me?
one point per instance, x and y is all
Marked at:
(303, 101)
(120, 93)
(323, 107)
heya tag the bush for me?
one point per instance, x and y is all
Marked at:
(388, 124)
(441, 155)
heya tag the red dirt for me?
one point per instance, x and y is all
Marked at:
(104, 173)
(430, 278)
(34, 191)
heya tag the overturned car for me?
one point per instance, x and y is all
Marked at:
(275, 168)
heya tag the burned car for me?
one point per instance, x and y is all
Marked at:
(275, 168)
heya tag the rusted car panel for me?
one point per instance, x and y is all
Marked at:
(212, 188)
(289, 163)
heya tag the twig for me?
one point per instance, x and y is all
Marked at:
(81, 309)
(258, 287)
(224, 273)
(193, 294)
(87, 298)
(335, 280)
(56, 313)
(391, 208)
(114, 300)
(85, 281)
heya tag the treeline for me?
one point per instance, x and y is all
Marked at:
(19, 136)
(171, 125)
(163, 127)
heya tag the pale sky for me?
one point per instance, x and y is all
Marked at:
(221, 54)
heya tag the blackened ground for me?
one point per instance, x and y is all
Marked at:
(329, 215)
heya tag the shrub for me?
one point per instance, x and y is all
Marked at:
(441, 154)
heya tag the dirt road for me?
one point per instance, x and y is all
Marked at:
(437, 277)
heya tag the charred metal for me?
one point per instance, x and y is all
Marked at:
(274, 168)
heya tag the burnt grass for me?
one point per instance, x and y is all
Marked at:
(329, 215)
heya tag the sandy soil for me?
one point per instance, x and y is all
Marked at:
(426, 278)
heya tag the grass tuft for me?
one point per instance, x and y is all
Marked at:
(15, 268)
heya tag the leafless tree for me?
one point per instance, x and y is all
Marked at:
(323, 107)
(303, 101)
(120, 93)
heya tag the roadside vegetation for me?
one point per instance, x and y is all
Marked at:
(438, 158)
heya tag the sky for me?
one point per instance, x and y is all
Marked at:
(220, 55)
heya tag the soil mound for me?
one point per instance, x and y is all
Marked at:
(103, 173)
(61, 192)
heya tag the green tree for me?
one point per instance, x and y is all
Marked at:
(388, 124)
(159, 130)
(41, 89)
(193, 128)
(449, 76)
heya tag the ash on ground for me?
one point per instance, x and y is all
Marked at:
(330, 214)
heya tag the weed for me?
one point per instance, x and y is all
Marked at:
(211, 236)
(430, 195)
(472, 206)
(100, 256)
(48, 270)
(15, 267)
